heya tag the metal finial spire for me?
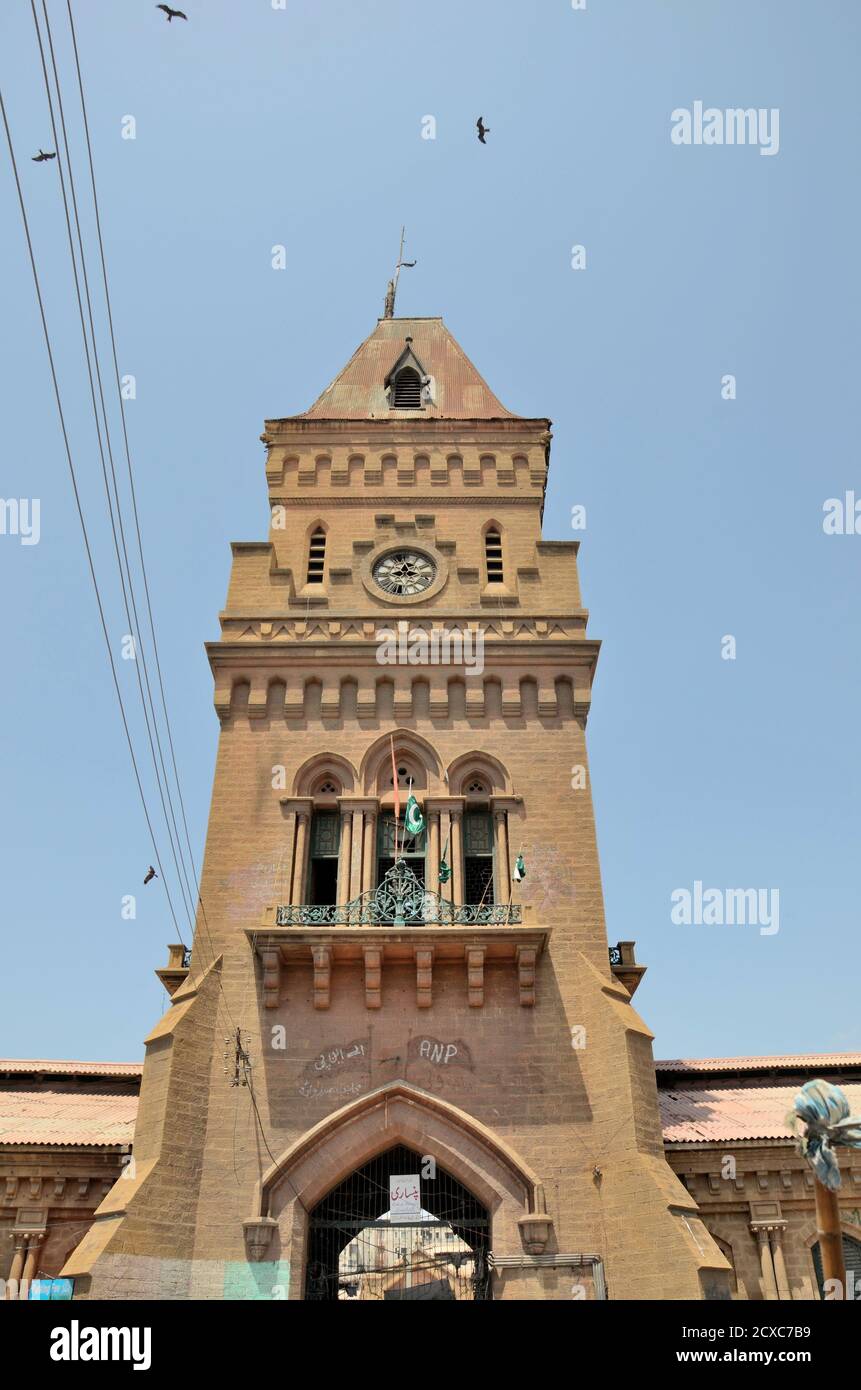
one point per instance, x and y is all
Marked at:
(391, 292)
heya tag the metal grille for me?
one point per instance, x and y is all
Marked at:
(478, 875)
(325, 835)
(477, 833)
(356, 1253)
(412, 845)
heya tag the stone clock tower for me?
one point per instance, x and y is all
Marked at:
(379, 1012)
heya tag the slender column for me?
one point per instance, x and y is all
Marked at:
(433, 884)
(369, 852)
(33, 1242)
(344, 856)
(783, 1289)
(356, 858)
(769, 1287)
(456, 848)
(501, 868)
(297, 891)
(14, 1280)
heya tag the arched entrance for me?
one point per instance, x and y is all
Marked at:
(359, 1251)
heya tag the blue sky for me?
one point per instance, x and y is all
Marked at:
(302, 127)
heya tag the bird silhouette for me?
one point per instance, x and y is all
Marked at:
(482, 129)
(409, 264)
(171, 14)
(37, 158)
(150, 873)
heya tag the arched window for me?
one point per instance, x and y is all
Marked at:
(493, 555)
(851, 1259)
(323, 858)
(408, 390)
(316, 556)
(478, 857)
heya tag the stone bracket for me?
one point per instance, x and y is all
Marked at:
(424, 976)
(322, 957)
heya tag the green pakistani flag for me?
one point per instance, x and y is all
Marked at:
(444, 870)
(414, 821)
(519, 869)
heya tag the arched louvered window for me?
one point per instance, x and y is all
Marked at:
(408, 390)
(316, 556)
(851, 1259)
(493, 556)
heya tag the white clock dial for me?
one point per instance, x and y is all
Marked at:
(404, 573)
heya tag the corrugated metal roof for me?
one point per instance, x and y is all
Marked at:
(722, 1113)
(358, 392)
(89, 1119)
(36, 1066)
(789, 1061)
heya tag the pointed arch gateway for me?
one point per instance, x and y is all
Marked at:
(498, 1200)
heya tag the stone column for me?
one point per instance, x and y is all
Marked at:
(501, 867)
(34, 1240)
(433, 852)
(456, 848)
(369, 851)
(358, 847)
(344, 856)
(297, 891)
(776, 1238)
(769, 1286)
(14, 1280)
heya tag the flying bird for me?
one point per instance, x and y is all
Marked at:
(150, 873)
(482, 129)
(37, 158)
(171, 14)
(408, 264)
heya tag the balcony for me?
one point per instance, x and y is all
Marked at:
(399, 922)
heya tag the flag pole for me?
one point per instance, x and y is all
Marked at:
(396, 793)
(511, 886)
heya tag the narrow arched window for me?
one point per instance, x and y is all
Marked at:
(316, 556)
(493, 556)
(408, 390)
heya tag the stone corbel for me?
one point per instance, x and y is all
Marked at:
(258, 1234)
(536, 1228)
(271, 957)
(526, 975)
(475, 976)
(322, 976)
(424, 977)
(373, 977)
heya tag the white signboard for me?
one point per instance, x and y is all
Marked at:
(405, 1203)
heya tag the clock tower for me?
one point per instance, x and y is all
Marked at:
(403, 1061)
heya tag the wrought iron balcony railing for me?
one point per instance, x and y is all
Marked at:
(399, 900)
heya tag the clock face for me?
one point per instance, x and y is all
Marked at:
(404, 572)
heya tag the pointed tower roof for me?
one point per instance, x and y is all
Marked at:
(456, 391)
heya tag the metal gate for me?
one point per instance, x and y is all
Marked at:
(356, 1253)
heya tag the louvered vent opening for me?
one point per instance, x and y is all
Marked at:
(493, 556)
(408, 390)
(316, 557)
